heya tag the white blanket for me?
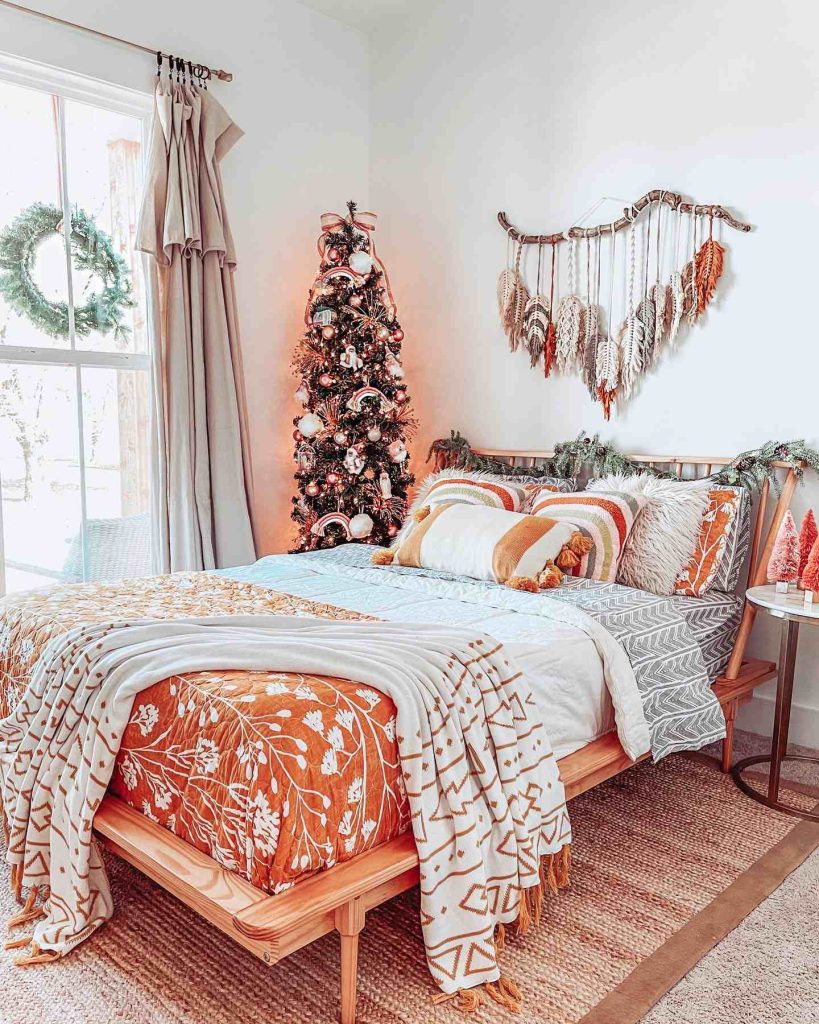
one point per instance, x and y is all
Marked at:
(486, 800)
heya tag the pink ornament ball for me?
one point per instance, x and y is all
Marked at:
(341, 438)
(400, 397)
(356, 301)
(333, 255)
(397, 334)
(313, 489)
(382, 333)
(326, 380)
(328, 332)
(332, 478)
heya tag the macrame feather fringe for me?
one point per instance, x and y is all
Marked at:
(708, 265)
(535, 326)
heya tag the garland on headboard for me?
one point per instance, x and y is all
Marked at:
(750, 469)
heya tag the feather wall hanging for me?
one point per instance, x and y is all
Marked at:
(536, 318)
(576, 334)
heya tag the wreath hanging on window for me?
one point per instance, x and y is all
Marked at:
(92, 250)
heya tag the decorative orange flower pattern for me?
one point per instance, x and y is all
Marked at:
(697, 577)
(274, 775)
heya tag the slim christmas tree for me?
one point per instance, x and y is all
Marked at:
(351, 452)
(783, 567)
(807, 538)
(810, 577)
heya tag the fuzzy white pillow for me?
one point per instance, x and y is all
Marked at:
(665, 532)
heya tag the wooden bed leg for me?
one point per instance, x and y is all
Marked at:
(730, 711)
(349, 922)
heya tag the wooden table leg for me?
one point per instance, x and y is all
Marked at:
(349, 923)
(784, 694)
(730, 711)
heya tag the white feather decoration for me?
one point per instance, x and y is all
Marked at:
(631, 336)
(567, 339)
(535, 326)
(677, 303)
(590, 339)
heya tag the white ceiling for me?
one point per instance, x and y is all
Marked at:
(362, 14)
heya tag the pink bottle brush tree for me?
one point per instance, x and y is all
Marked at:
(783, 567)
(810, 577)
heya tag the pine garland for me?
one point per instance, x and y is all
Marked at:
(92, 251)
(750, 469)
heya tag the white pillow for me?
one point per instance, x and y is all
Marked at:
(665, 532)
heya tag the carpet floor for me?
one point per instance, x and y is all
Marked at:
(654, 849)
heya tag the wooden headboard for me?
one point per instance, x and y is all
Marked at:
(693, 467)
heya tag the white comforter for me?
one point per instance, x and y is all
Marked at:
(582, 679)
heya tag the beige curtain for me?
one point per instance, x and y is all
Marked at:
(202, 483)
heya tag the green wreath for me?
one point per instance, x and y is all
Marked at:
(91, 249)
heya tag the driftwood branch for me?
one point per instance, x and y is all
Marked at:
(672, 199)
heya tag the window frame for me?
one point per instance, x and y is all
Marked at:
(67, 85)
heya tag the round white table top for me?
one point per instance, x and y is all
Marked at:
(784, 606)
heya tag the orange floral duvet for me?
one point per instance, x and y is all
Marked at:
(274, 775)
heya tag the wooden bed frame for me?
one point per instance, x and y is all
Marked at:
(338, 899)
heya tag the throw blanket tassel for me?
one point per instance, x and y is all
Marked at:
(30, 912)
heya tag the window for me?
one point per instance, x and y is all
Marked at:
(74, 361)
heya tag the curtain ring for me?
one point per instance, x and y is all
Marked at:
(158, 63)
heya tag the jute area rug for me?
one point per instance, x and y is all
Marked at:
(668, 859)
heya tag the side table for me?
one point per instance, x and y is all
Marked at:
(793, 611)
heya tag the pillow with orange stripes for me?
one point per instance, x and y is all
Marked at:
(486, 543)
(471, 488)
(604, 517)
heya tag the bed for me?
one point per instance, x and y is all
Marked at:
(210, 761)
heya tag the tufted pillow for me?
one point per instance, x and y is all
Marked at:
(483, 543)
(721, 545)
(605, 518)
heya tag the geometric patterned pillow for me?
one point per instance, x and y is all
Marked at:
(605, 517)
(721, 546)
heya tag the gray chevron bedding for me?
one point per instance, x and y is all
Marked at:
(713, 619)
(673, 648)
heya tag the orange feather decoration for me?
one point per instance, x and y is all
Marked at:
(708, 264)
(550, 348)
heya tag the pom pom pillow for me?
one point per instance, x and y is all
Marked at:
(605, 519)
(483, 543)
(665, 533)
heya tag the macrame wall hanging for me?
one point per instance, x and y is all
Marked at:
(662, 262)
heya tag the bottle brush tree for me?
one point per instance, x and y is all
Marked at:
(807, 538)
(783, 567)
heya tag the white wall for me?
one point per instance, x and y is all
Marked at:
(540, 109)
(300, 93)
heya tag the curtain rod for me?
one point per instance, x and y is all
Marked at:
(224, 76)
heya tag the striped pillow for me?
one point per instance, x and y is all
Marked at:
(483, 543)
(471, 489)
(605, 517)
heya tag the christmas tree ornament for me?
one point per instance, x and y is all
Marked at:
(326, 380)
(312, 488)
(361, 526)
(392, 530)
(332, 478)
(309, 425)
(354, 462)
(810, 576)
(398, 335)
(382, 333)
(303, 394)
(783, 567)
(328, 332)
(356, 301)
(361, 263)
(350, 359)
(394, 368)
(328, 521)
(341, 438)
(397, 451)
(333, 255)
(322, 316)
(808, 534)
(374, 434)
(400, 397)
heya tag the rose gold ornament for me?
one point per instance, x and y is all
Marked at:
(400, 397)
(341, 438)
(397, 334)
(382, 334)
(312, 489)
(332, 478)
(373, 434)
(333, 254)
(356, 301)
(326, 380)
(328, 332)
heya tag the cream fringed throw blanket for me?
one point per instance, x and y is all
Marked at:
(487, 804)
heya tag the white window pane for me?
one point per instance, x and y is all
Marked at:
(116, 433)
(104, 160)
(40, 472)
(29, 174)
